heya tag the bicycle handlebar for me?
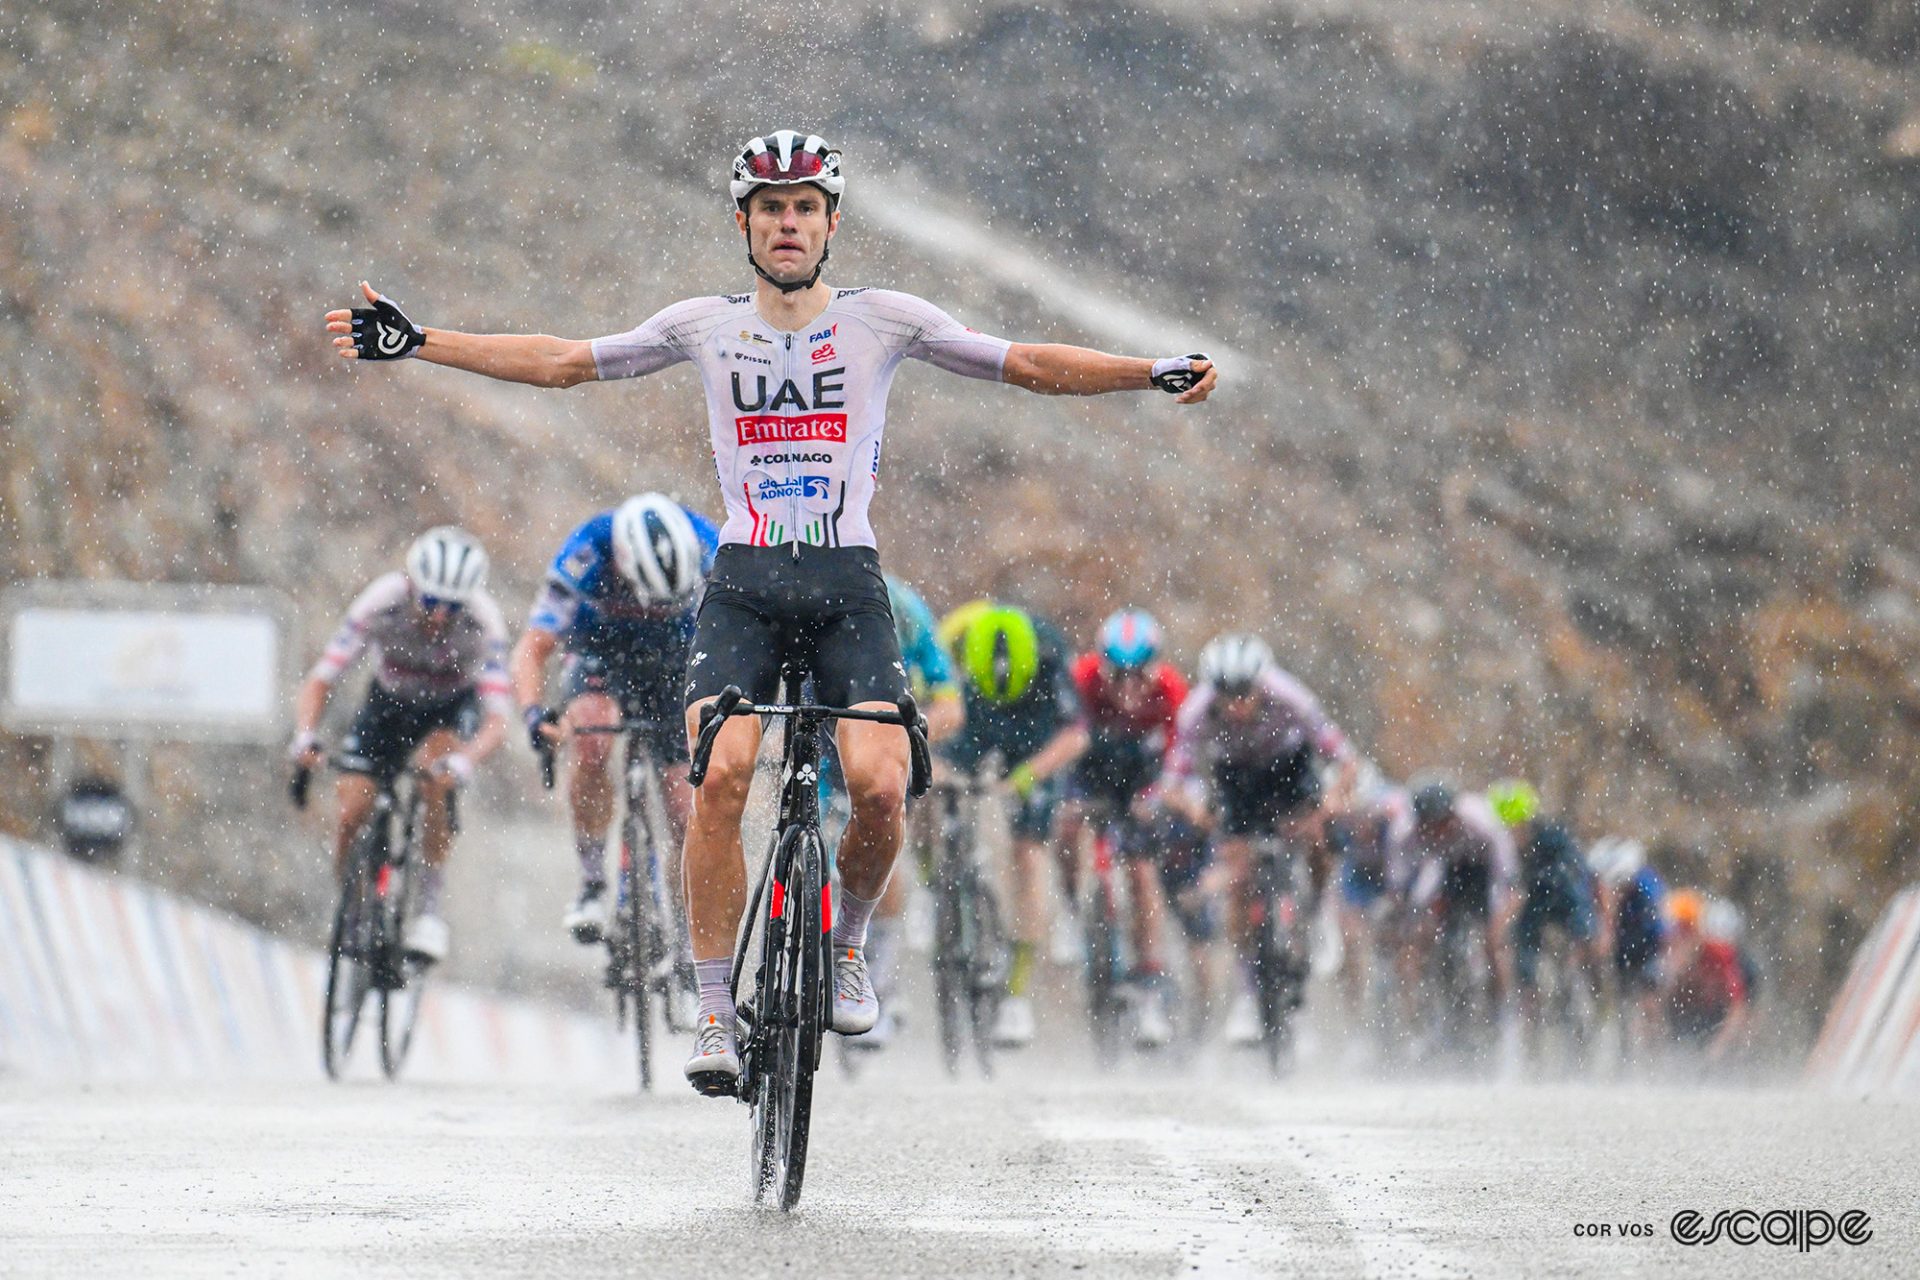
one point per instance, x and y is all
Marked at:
(732, 702)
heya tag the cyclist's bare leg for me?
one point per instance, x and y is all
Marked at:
(873, 758)
(677, 794)
(1149, 915)
(1029, 891)
(356, 793)
(436, 831)
(1067, 842)
(590, 778)
(715, 864)
(1236, 856)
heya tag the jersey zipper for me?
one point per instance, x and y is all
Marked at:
(793, 504)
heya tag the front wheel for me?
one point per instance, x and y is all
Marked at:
(635, 932)
(350, 959)
(791, 1006)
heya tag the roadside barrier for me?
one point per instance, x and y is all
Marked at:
(1870, 1043)
(104, 976)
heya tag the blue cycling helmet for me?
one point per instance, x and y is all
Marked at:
(1130, 639)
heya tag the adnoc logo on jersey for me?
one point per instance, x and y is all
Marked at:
(767, 429)
(802, 487)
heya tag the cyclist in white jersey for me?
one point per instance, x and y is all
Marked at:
(796, 376)
(438, 700)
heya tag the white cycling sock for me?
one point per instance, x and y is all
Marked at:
(432, 880)
(592, 852)
(850, 918)
(716, 994)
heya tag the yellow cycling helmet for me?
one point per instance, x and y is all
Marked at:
(1513, 801)
(1001, 653)
(952, 631)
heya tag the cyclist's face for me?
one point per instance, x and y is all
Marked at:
(788, 229)
(437, 613)
(1239, 706)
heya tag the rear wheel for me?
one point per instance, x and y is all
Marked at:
(399, 1010)
(987, 971)
(350, 955)
(951, 967)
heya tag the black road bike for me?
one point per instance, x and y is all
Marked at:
(969, 939)
(648, 960)
(367, 955)
(786, 934)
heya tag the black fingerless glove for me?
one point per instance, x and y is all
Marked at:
(1173, 375)
(383, 332)
(537, 719)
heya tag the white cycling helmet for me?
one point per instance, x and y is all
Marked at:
(447, 563)
(1720, 921)
(1234, 663)
(786, 158)
(655, 546)
(1616, 859)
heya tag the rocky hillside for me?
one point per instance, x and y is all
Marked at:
(1571, 437)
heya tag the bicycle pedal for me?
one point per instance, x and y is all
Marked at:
(715, 1084)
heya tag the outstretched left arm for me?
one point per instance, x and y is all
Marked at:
(1053, 369)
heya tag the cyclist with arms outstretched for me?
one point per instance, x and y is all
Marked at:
(620, 598)
(796, 376)
(438, 700)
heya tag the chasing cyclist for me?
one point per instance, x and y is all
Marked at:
(1022, 708)
(796, 376)
(438, 700)
(1132, 700)
(1461, 862)
(619, 598)
(1256, 738)
(1556, 889)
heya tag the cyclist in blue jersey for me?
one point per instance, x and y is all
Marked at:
(620, 599)
(1633, 928)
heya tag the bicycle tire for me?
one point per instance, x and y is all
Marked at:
(349, 972)
(1103, 979)
(634, 925)
(794, 1006)
(987, 976)
(951, 970)
(399, 1015)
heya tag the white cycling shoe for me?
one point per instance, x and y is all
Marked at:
(714, 1068)
(1013, 1025)
(855, 1006)
(587, 918)
(427, 937)
(1152, 1029)
(1243, 1022)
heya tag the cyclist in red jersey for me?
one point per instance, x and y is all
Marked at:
(1132, 699)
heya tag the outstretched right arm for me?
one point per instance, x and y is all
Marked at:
(534, 359)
